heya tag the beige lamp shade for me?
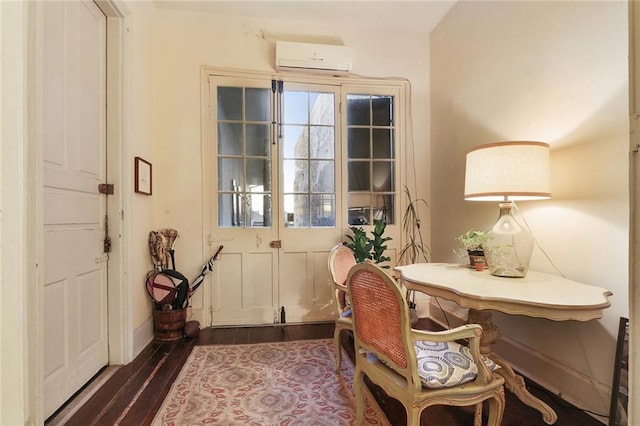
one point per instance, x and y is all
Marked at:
(504, 171)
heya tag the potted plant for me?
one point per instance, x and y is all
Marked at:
(360, 244)
(478, 263)
(471, 245)
(415, 249)
(378, 245)
(365, 248)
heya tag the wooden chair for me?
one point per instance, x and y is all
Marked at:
(341, 260)
(418, 368)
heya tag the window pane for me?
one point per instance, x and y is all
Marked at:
(229, 103)
(230, 210)
(230, 174)
(382, 176)
(296, 210)
(358, 140)
(359, 209)
(358, 110)
(383, 207)
(359, 176)
(371, 151)
(322, 142)
(225, 210)
(295, 142)
(322, 174)
(382, 143)
(259, 207)
(258, 104)
(296, 107)
(244, 136)
(258, 143)
(322, 108)
(229, 139)
(382, 112)
(323, 210)
(296, 175)
(258, 175)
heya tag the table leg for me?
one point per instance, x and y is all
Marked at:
(515, 383)
(490, 332)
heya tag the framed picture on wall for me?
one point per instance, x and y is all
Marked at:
(143, 176)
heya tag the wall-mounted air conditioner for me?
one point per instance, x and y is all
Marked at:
(291, 56)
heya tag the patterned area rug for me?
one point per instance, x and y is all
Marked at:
(282, 383)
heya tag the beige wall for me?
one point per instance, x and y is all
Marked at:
(554, 72)
(141, 41)
(169, 47)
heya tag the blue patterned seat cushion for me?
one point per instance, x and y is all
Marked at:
(446, 364)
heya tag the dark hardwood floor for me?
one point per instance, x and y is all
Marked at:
(133, 393)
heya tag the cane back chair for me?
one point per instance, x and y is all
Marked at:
(341, 260)
(418, 368)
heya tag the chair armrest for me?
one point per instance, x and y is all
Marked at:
(340, 301)
(339, 286)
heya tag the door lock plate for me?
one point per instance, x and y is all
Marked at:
(105, 188)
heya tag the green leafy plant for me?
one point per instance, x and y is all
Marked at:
(360, 244)
(415, 249)
(472, 240)
(365, 248)
(378, 242)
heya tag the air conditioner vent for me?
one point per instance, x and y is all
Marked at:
(317, 57)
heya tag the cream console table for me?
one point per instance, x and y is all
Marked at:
(537, 295)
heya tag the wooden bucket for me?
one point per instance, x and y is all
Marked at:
(168, 325)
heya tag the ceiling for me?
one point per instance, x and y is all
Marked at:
(398, 15)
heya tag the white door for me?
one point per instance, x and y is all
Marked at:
(74, 292)
(244, 168)
(309, 222)
(291, 171)
(274, 199)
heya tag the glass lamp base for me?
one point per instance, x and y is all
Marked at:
(508, 246)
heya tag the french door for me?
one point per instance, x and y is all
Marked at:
(310, 194)
(279, 192)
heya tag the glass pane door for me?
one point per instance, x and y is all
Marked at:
(371, 174)
(308, 158)
(244, 157)
(243, 208)
(290, 171)
(311, 197)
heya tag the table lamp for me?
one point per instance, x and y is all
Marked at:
(506, 172)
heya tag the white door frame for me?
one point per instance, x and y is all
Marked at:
(634, 200)
(120, 173)
(399, 87)
(18, 268)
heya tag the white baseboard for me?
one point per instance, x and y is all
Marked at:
(142, 336)
(560, 379)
